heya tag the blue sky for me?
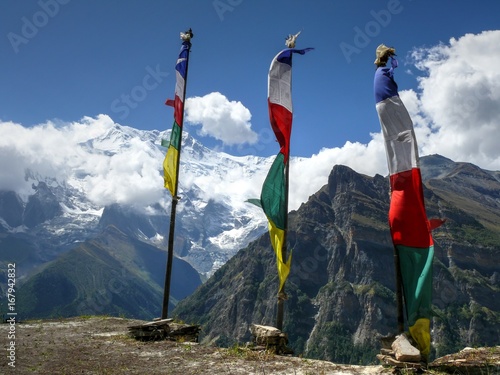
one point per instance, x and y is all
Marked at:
(66, 59)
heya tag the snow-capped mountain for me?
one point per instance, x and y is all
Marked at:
(112, 174)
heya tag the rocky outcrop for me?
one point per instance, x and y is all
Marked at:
(41, 206)
(11, 208)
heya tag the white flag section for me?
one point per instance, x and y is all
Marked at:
(400, 141)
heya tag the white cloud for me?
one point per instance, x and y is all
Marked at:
(227, 121)
(367, 159)
(116, 164)
(42, 149)
(455, 112)
(129, 175)
(458, 107)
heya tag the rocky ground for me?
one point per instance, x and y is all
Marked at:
(101, 345)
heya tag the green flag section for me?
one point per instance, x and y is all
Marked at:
(272, 197)
(273, 202)
(170, 162)
(416, 271)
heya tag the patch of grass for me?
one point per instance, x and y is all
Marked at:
(86, 317)
(248, 353)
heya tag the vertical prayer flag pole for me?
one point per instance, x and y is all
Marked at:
(409, 225)
(399, 292)
(281, 293)
(274, 196)
(172, 158)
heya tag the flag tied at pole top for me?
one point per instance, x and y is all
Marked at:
(280, 97)
(273, 196)
(409, 225)
(171, 161)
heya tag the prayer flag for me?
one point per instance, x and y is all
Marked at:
(409, 225)
(274, 197)
(171, 161)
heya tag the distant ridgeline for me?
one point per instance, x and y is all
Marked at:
(110, 274)
(341, 297)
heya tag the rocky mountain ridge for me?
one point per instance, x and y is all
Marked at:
(341, 297)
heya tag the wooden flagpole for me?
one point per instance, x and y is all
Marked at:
(399, 292)
(281, 294)
(175, 199)
(290, 43)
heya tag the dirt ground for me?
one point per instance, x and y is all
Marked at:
(101, 345)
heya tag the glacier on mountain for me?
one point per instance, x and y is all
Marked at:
(98, 164)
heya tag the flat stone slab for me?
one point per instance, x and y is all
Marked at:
(271, 338)
(404, 351)
(165, 329)
(265, 331)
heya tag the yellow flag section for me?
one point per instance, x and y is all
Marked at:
(277, 238)
(420, 332)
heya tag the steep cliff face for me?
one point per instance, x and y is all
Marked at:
(341, 296)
